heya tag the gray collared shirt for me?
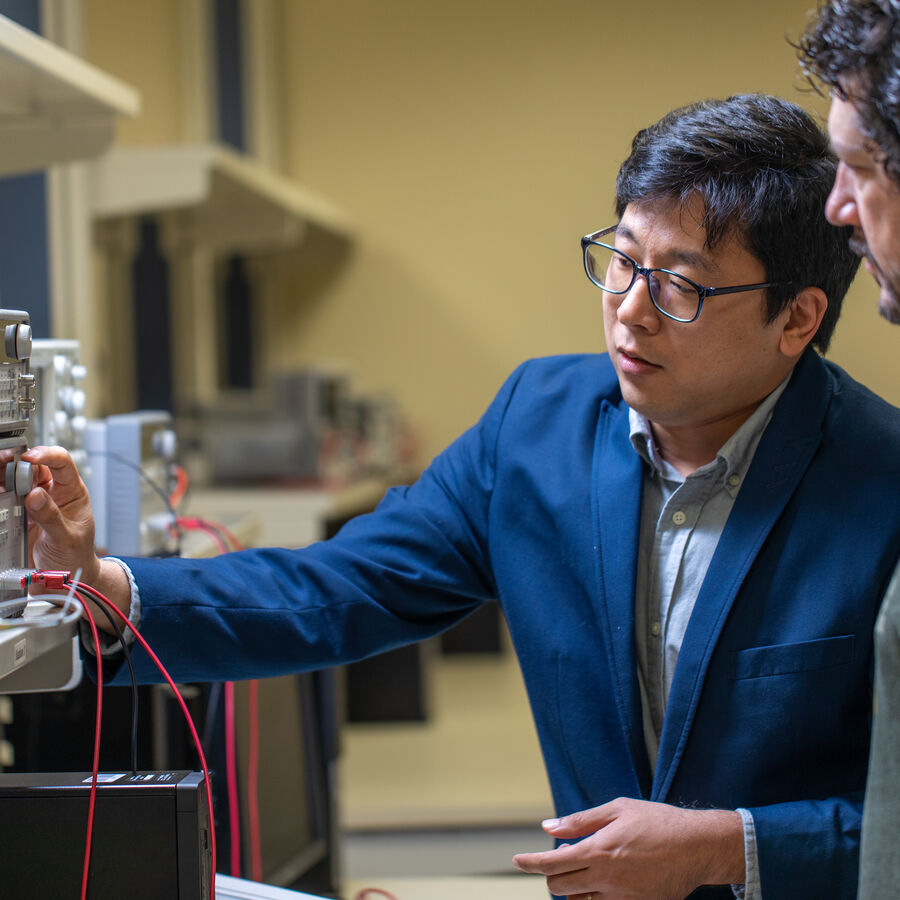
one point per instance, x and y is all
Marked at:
(682, 519)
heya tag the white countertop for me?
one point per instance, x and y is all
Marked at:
(498, 887)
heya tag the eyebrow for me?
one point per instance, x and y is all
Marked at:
(688, 257)
(849, 144)
(843, 147)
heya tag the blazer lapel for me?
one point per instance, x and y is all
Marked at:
(616, 500)
(783, 454)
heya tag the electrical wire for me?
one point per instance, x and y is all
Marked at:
(181, 485)
(193, 524)
(62, 618)
(95, 765)
(222, 536)
(102, 600)
(253, 780)
(212, 708)
(231, 774)
(232, 539)
(153, 485)
(216, 530)
(255, 836)
(369, 892)
(231, 782)
(134, 686)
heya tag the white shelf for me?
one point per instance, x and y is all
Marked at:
(54, 107)
(235, 202)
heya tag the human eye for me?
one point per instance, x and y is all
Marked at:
(674, 295)
(859, 171)
(681, 286)
(859, 165)
(676, 283)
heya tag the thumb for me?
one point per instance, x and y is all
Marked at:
(43, 511)
(579, 824)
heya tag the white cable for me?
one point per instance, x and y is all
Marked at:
(69, 607)
(69, 611)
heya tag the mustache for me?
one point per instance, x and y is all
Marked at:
(858, 245)
(890, 313)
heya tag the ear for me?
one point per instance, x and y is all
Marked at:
(804, 316)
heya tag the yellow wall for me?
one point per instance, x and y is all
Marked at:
(475, 142)
(138, 42)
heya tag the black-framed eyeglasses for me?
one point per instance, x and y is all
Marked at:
(674, 295)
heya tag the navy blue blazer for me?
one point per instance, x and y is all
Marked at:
(537, 506)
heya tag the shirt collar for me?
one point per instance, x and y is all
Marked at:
(734, 456)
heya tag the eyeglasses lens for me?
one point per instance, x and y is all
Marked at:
(614, 272)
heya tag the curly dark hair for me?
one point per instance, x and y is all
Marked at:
(762, 169)
(853, 47)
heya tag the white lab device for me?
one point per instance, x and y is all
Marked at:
(135, 469)
(16, 404)
(59, 416)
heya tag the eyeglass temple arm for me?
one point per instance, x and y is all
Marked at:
(713, 292)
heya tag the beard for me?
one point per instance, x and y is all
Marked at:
(889, 306)
(889, 301)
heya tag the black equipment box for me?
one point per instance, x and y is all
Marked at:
(151, 836)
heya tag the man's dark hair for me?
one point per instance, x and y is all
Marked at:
(853, 47)
(762, 169)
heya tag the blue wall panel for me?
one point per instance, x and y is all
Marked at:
(24, 253)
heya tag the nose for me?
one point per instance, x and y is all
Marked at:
(636, 309)
(840, 208)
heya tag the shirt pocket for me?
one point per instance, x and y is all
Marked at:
(788, 659)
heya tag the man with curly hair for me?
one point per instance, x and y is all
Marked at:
(853, 47)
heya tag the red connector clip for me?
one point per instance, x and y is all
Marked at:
(50, 579)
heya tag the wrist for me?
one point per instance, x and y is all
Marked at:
(111, 580)
(724, 847)
(92, 572)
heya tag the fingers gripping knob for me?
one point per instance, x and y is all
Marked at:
(19, 477)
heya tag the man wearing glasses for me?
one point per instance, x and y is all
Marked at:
(689, 538)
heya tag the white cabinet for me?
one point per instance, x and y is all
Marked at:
(54, 107)
(237, 204)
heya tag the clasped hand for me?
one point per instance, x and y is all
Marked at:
(639, 849)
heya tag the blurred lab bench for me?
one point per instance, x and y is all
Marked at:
(288, 516)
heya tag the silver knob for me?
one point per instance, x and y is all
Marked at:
(19, 477)
(18, 341)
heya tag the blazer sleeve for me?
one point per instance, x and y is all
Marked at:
(415, 566)
(809, 848)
